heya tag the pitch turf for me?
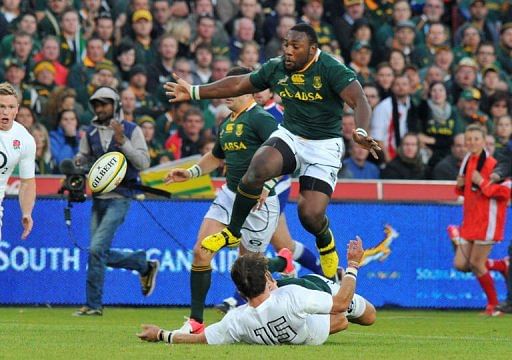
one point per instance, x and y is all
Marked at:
(52, 333)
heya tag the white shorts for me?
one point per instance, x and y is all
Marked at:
(461, 241)
(258, 227)
(357, 305)
(319, 159)
(319, 326)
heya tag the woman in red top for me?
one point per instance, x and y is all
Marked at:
(485, 206)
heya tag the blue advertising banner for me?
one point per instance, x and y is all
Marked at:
(408, 261)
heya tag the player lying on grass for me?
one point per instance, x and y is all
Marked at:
(290, 314)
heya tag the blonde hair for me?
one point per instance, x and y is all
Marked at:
(7, 89)
(47, 153)
(477, 127)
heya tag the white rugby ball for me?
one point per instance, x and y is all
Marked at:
(107, 172)
(361, 132)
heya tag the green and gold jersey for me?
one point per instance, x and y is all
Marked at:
(312, 104)
(240, 135)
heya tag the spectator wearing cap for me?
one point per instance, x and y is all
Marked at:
(478, 18)
(147, 124)
(423, 55)
(468, 111)
(361, 56)
(104, 29)
(160, 70)
(249, 9)
(401, 12)
(283, 8)
(26, 23)
(50, 51)
(14, 75)
(274, 47)
(469, 44)
(161, 11)
(492, 82)
(125, 60)
(313, 11)
(187, 140)
(465, 78)
(53, 10)
(146, 103)
(72, 44)
(432, 12)
(105, 75)
(504, 50)
(44, 73)
(343, 25)
(204, 8)
(403, 39)
(205, 35)
(142, 25)
(81, 74)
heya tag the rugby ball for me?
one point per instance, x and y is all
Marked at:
(107, 172)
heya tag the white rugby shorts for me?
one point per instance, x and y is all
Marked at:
(319, 159)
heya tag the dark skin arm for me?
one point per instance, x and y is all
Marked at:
(230, 86)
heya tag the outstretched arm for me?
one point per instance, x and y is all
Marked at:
(341, 301)
(205, 165)
(230, 86)
(153, 333)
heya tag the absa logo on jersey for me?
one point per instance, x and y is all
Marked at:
(16, 144)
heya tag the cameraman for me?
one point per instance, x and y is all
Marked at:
(110, 132)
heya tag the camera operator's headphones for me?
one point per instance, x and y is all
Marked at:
(106, 92)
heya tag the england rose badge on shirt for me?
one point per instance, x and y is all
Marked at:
(16, 144)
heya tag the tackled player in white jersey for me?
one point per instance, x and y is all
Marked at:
(290, 314)
(17, 147)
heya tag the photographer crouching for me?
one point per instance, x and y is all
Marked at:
(109, 132)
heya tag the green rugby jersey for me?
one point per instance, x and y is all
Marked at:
(240, 135)
(312, 105)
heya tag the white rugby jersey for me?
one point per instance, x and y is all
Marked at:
(17, 146)
(286, 317)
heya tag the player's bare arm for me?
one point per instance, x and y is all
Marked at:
(153, 333)
(230, 86)
(205, 165)
(341, 301)
(354, 96)
(27, 198)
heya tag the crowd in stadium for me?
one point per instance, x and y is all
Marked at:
(428, 68)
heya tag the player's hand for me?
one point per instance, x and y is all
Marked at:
(355, 250)
(460, 181)
(118, 131)
(495, 178)
(366, 142)
(177, 175)
(27, 223)
(476, 178)
(177, 91)
(149, 333)
(261, 200)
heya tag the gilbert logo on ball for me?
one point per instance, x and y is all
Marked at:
(107, 172)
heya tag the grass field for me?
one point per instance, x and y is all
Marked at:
(52, 333)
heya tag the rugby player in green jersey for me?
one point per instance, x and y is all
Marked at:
(313, 86)
(240, 135)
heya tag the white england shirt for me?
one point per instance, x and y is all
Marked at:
(17, 146)
(291, 315)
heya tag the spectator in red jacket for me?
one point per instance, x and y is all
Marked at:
(189, 137)
(485, 206)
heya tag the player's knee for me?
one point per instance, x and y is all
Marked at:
(256, 175)
(370, 315)
(461, 265)
(201, 256)
(312, 219)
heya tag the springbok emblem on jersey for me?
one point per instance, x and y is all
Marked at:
(382, 250)
(317, 82)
